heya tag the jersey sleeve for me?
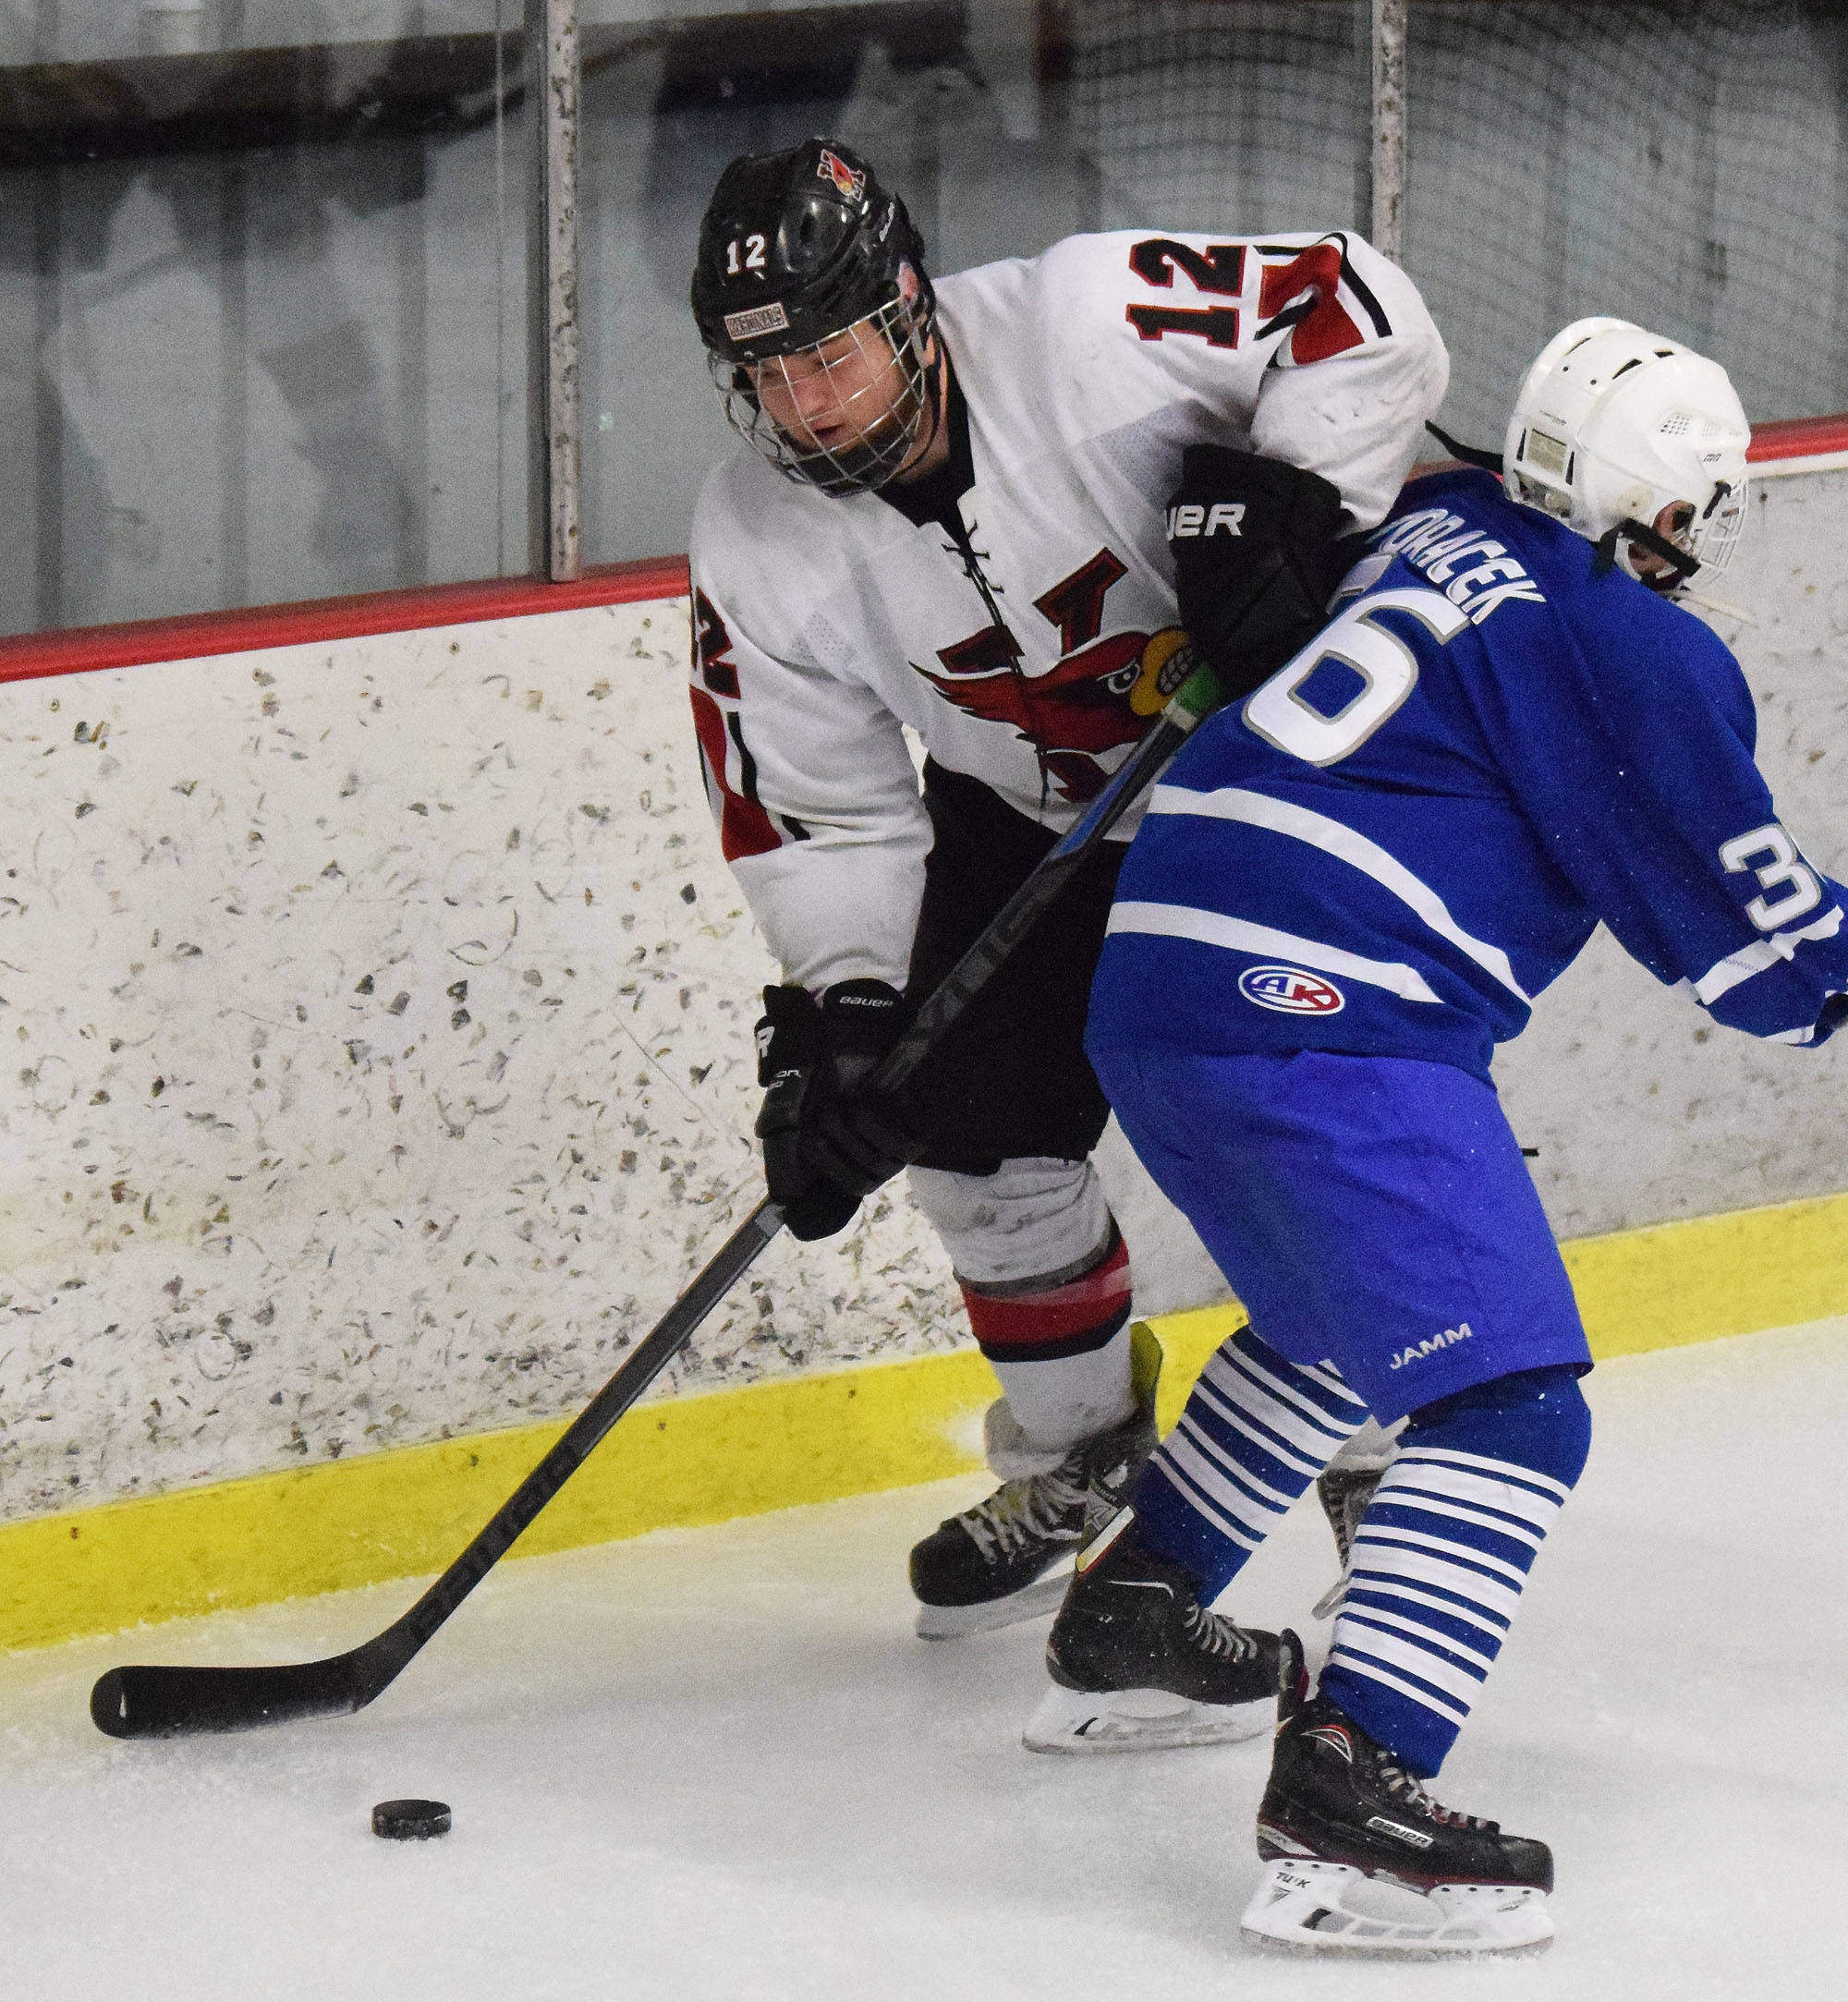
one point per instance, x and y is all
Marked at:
(1631, 742)
(1355, 367)
(817, 801)
(1315, 350)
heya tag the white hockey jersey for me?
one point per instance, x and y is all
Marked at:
(823, 624)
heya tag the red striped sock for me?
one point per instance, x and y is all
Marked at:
(1033, 1321)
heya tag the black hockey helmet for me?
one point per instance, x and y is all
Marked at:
(795, 246)
(797, 249)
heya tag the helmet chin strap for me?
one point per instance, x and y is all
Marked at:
(1686, 568)
(1491, 462)
(933, 391)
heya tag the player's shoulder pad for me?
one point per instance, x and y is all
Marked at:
(1083, 283)
(763, 543)
(1046, 337)
(1677, 635)
(1058, 299)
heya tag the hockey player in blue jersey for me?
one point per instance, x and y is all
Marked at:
(1349, 888)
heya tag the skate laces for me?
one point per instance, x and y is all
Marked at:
(1214, 1635)
(1033, 1509)
(1409, 1788)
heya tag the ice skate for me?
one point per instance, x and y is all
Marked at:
(1140, 1665)
(1345, 1487)
(1009, 1557)
(1343, 1493)
(1361, 1861)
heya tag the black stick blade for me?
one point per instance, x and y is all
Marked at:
(188, 1703)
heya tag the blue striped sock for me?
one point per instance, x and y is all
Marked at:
(1255, 1433)
(1442, 1555)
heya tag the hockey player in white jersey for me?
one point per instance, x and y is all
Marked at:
(955, 514)
(1347, 890)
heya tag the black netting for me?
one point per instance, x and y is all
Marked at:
(1680, 165)
(1238, 115)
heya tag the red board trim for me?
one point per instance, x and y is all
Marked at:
(84, 649)
(1798, 438)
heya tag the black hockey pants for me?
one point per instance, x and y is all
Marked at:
(1012, 1077)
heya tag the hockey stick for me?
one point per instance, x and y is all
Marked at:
(184, 1702)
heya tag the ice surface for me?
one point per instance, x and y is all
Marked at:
(716, 1764)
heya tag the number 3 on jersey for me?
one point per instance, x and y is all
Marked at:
(1771, 855)
(1280, 712)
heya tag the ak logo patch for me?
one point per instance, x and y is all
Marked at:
(1291, 991)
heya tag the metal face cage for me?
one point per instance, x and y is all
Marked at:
(1714, 533)
(1710, 536)
(848, 410)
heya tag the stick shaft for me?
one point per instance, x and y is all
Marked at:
(181, 1702)
(587, 1431)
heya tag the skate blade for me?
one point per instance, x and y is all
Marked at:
(1082, 1725)
(1329, 1604)
(1321, 1907)
(953, 1622)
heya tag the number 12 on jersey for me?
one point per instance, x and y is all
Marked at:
(1299, 292)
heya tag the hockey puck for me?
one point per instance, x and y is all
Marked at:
(410, 1821)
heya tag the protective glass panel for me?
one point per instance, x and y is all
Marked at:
(1681, 165)
(261, 283)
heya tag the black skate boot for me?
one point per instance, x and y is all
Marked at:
(1364, 1861)
(1005, 1560)
(1138, 1663)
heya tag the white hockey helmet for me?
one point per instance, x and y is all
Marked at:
(1633, 439)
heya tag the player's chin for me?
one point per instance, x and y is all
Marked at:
(857, 461)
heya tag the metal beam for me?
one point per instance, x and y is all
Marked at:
(1389, 127)
(556, 62)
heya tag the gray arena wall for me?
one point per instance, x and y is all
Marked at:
(378, 1015)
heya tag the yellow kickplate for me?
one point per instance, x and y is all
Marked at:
(706, 1459)
(1706, 1277)
(409, 1511)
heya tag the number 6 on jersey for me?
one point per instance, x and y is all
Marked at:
(1387, 667)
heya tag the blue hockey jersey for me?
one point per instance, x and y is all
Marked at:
(1415, 826)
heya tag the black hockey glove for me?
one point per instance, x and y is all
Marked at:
(825, 1143)
(1257, 552)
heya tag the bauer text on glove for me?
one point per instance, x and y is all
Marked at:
(1259, 551)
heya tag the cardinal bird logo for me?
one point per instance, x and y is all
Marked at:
(1099, 697)
(831, 168)
(1078, 709)
(1094, 701)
